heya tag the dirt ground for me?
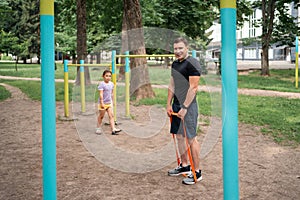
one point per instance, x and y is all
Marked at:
(266, 169)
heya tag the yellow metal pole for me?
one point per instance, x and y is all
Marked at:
(66, 87)
(296, 71)
(94, 65)
(114, 78)
(82, 86)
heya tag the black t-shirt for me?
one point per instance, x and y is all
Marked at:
(181, 71)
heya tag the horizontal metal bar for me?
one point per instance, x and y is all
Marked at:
(145, 56)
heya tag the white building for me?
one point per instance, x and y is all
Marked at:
(251, 51)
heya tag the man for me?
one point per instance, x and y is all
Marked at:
(182, 91)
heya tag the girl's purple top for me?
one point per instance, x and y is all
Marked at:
(107, 90)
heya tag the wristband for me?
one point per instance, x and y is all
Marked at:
(183, 106)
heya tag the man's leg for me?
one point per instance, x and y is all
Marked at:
(195, 151)
(184, 167)
(182, 149)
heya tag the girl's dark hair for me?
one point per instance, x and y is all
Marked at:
(181, 39)
(106, 71)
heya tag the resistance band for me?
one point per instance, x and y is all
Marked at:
(188, 149)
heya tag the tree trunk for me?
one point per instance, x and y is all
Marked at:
(268, 9)
(81, 40)
(265, 61)
(16, 64)
(140, 86)
(124, 47)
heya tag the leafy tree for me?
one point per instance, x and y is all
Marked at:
(22, 21)
(65, 27)
(277, 26)
(7, 40)
(5, 13)
(31, 27)
(100, 23)
(10, 44)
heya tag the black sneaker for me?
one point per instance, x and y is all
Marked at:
(180, 170)
(190, 179)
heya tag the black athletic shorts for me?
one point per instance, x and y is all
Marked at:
(190, 121)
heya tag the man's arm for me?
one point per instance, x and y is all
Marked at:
(194, 80)
(192, 91)
(170, 96)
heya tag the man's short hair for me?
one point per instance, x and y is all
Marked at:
(181, 39)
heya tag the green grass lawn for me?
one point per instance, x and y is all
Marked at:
(280, 80)
(277, 116)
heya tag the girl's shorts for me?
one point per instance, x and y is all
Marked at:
(106, 106)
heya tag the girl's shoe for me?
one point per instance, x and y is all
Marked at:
(98, 131)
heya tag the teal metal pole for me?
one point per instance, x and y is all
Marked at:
(127, 85)
(229, 101)
(48, 99)
(194, 54)
(297, 41)
(82, 85)
(296, 62)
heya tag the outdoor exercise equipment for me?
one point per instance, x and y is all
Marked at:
(175, 145)
(229, 100)
(82, 86)
(127, 74)
(48, 99)
(296, 62)
(189, 152)
(113, 67)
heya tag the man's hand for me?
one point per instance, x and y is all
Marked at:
(169, 110)
(182, 112)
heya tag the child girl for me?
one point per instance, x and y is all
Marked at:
(105, 102)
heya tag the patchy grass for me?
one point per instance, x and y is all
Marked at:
(4, 94)
(278, 116)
